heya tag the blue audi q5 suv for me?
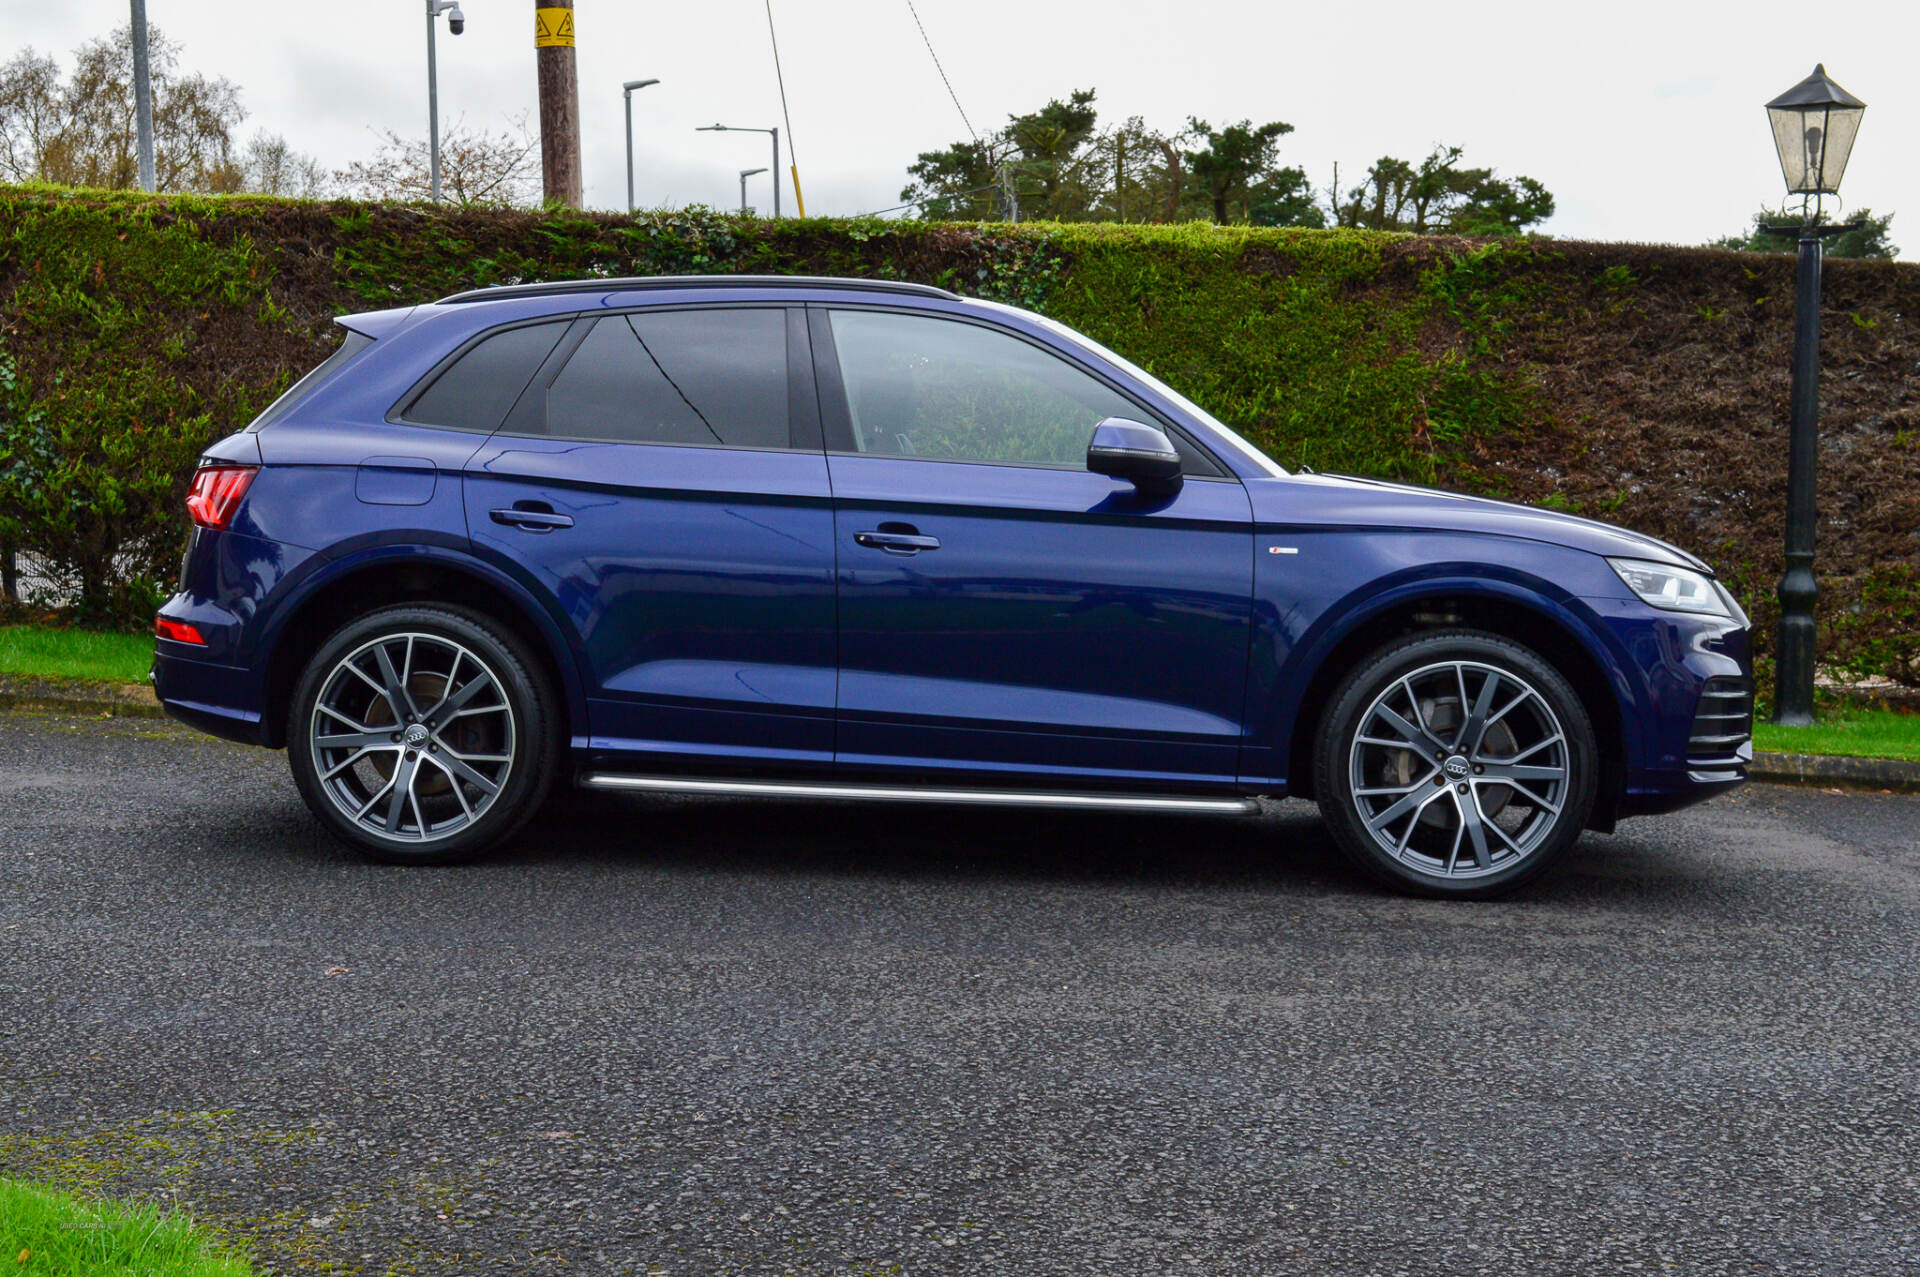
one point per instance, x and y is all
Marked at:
(855, 539)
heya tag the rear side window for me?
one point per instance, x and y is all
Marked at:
(705, 377)
(478, 389)
(322, 372)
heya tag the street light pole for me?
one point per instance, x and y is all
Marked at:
(433, 106)
(142, 97)
(746, 173)
(1798, 590)
(627, 90)
(1814, 124)
(456, 22)
(732, 128)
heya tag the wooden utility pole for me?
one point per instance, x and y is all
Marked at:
(559, 101)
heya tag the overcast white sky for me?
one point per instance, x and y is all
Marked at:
(1643, 116)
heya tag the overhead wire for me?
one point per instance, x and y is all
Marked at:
(793, 158)
(942, 70)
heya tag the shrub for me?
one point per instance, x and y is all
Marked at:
(135, 329)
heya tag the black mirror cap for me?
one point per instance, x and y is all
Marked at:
(1138, 453)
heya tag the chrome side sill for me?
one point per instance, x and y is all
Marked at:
(884, 793)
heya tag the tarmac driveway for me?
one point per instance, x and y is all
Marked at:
(754, 1037)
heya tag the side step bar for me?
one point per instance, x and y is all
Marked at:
(885, 793)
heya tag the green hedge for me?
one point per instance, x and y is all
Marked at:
(135, 329)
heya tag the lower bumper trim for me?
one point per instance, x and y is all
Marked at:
(888, 793)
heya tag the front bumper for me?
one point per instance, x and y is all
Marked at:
(1693, 711)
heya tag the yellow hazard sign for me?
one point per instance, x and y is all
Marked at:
(553, 28)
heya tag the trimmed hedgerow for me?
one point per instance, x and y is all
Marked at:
(1640, 384)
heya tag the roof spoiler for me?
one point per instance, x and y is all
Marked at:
(375, 324)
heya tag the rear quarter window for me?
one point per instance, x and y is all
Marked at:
(322, 373)
(476, 391)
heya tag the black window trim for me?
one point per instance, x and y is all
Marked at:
(804, 432)
(836, 417)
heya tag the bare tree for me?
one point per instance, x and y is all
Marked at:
(31, 117)
(80, 131)
(270, 167)
(476, 167)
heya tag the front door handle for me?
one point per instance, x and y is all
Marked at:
(532, 520)
(896, 542)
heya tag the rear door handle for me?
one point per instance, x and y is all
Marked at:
(896, 542)
(532, 520)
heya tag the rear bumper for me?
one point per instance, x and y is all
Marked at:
(205, 694)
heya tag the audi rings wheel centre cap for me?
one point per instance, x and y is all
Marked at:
(1457, 767)
(416, 735)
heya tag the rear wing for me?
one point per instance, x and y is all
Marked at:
(375, 323)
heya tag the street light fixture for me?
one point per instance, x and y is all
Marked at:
(456, 23)
(746, 173)
(1814, 124)
(734, 128)
(627, 93)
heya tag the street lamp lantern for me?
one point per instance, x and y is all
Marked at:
(1814, 124)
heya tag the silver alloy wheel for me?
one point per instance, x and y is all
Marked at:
(1459, 769)
(412, 737)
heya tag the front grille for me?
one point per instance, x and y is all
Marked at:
(1723, 726)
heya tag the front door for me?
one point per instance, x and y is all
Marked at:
(1005, 615)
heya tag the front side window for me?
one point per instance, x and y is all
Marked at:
(478, 389)
(716, 378)
(923, 387)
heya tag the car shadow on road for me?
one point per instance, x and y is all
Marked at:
(1286, 843)
(1286, 849)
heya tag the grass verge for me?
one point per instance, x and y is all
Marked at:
(39, 651)
(1855, 733)
(44, 1233)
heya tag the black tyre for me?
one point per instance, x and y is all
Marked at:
(423, 734)
(1455, 763)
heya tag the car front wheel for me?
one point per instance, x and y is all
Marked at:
(422, 734)
(1455, 764)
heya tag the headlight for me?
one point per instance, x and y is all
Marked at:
(1675, 589)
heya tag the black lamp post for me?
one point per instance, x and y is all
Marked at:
(1814, 124)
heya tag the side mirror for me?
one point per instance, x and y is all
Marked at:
(1140, 454)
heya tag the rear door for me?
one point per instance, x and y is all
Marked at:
(1005, 615)
(662, 480)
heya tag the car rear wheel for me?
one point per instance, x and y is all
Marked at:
(422, 734)
(1455, 764)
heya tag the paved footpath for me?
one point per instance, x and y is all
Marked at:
(693, 1037)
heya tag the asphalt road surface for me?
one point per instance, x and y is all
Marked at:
(757, 1037)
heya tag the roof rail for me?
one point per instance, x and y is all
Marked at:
(639, 282)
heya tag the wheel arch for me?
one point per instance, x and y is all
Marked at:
(353, 587)
(1532, 620)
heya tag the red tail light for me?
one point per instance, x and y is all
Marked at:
(217, 492)
(178, 631)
